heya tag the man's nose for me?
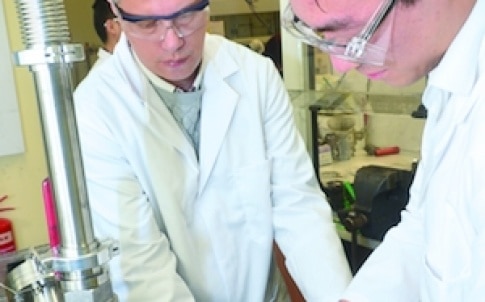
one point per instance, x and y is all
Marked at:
(171, 39)
(342, 65)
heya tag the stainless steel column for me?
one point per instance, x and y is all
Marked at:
(81, 261)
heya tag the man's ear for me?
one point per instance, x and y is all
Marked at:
(112, 26)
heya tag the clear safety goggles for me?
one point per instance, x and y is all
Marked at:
(356, 49)
(154, 27)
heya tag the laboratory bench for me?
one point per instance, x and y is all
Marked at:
(345, 170)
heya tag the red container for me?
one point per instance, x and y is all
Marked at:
(380, 151)
(7, 241)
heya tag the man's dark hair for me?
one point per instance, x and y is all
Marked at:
(101, 13)
(272, 50)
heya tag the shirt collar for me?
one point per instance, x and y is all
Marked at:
(458, 68)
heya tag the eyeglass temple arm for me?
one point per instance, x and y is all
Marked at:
(376, 20)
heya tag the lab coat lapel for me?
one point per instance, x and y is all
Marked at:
(157, 112)
(218, 106)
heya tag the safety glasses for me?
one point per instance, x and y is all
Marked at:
(154, 27)
(356, 49)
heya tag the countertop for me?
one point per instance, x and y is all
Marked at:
(346, 169)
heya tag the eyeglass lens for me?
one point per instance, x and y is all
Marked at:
(355, 49)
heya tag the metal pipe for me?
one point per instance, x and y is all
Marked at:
(64, 158)
(80, 261)
(45, 33)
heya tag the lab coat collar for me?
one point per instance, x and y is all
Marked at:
(129, 69)
(458, 69)
(103, 54)
(146, 94)
(218, 101)
(218, 104)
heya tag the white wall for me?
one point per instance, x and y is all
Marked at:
(11, 140)
(21, 174)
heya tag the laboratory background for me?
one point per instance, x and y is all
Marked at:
(363, 136)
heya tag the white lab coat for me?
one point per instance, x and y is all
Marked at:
(437, 252)
(253, 181)
(102, 56)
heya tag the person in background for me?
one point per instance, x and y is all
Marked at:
(194, 165)
(107, 28)
(436, 252)
(272, 49)
(256, 45)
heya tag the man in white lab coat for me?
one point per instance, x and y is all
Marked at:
(193, 163)
(436, 253)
